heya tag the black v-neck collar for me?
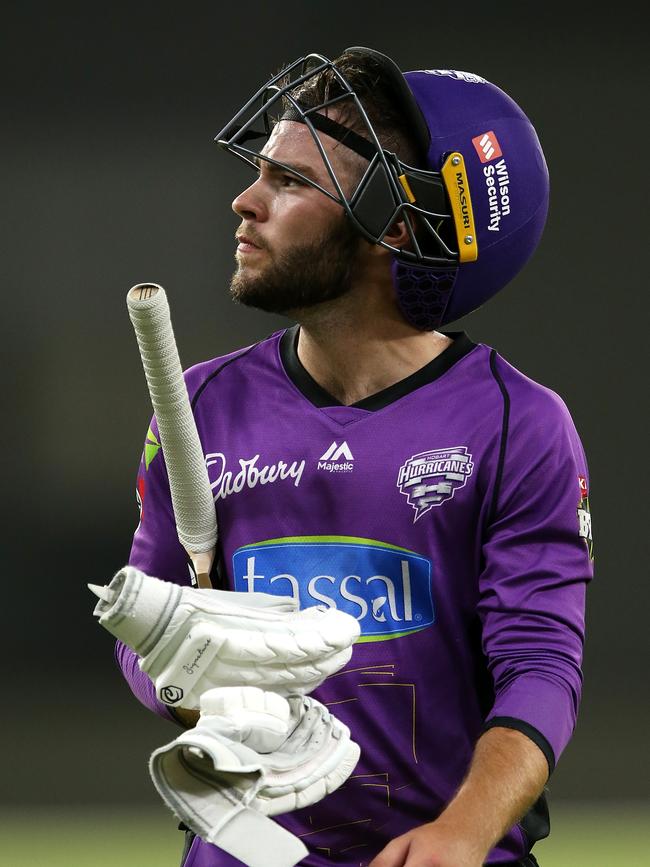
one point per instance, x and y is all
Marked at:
(317, 395)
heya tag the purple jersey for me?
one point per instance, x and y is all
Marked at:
(448, 514)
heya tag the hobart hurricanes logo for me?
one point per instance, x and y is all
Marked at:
(386, 588)
(429, 478)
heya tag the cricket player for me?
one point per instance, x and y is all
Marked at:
(365, 461)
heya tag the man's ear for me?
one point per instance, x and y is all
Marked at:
(398, 235)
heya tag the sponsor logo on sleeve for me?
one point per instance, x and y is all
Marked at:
(386, 588)
(139, 498)
(584, 516)
(431, 478)
(151, 448)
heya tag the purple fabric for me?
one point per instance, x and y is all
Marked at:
(533, 584)
(204, 854)
(141, 686)
(471, 604)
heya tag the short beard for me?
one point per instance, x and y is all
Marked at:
(304, 276)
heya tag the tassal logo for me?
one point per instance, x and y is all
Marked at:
(386, 588)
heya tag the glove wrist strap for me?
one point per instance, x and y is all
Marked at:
(219, 814)
(257, 840)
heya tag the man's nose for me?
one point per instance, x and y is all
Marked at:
(249, 204)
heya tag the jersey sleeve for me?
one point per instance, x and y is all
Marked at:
(537, 561)
(155, 550)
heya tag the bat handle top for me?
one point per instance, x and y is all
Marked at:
(144, 292)
(202, 563)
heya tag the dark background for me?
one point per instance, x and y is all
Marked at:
(110, 177)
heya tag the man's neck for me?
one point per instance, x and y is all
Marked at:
(353, 353)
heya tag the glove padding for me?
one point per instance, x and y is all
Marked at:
(253, 754)
(192, 640)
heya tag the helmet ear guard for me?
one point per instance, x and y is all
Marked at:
(437, 208)
(376, 201)
(387, 193)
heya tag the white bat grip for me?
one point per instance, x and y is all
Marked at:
(192, 500)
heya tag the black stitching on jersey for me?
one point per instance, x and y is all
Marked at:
(504, 435)
(214, 373)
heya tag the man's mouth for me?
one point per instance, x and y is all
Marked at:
(246, 244)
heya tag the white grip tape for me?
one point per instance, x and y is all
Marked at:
(192, 500)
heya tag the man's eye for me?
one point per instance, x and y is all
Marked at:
(291, 180)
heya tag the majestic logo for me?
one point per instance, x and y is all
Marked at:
(429, 478)
(487, 146)
(584, 516)
(226, 482)
(386, 588)
(469, 77)
(337, 459)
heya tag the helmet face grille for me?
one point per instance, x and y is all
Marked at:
(381, 197)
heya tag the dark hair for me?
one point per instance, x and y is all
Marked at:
(366, 77)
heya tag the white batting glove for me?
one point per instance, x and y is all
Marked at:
(253, 754)
(192, 640)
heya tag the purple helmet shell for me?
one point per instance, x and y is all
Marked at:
(508, 183)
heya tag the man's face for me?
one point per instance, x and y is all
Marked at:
(296, 247)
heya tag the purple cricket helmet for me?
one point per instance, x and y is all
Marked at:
(506, 175)
(477, 198)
